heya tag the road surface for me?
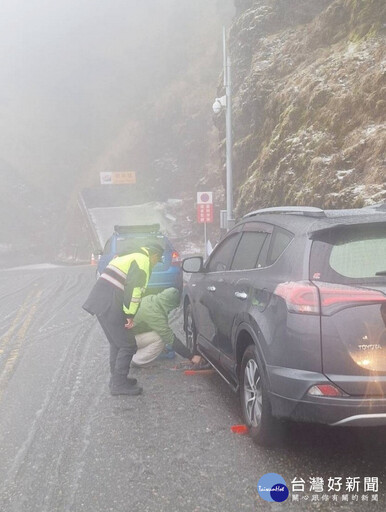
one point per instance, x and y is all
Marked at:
(66, 445)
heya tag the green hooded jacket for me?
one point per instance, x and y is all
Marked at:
(153, 313)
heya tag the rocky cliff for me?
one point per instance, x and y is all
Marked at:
(309, 103)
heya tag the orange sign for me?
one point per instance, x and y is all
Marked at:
(117, 178)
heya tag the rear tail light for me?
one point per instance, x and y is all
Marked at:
(176, 257)
(300, 297)
(325, 298)
(333, 297)
(324, 390)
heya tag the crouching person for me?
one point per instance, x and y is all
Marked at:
(152, 330)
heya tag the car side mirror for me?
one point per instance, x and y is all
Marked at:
(193, 265)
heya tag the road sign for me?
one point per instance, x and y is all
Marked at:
(204, 198)
(117, 178)
(204, 207)
(204, 213)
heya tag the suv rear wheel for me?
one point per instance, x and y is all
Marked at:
(263, 427)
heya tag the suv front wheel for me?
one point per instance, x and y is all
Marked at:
(190, 329)
(263, 427)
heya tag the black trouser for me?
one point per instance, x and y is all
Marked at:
(122, 341)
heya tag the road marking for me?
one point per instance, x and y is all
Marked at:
(8, 335)
(32, 298)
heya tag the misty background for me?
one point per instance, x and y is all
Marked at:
(96, 85)
(128, 85)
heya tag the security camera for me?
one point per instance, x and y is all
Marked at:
(218, 104)
(217, 107)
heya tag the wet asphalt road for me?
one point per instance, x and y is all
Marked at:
(66, 445)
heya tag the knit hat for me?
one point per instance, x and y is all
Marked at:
(154, 248)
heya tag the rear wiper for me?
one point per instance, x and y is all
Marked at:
(381, 273)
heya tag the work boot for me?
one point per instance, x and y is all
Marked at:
(131, 381)
(121, 386)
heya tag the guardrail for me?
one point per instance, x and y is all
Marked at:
(94, 239)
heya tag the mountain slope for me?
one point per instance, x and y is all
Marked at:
(309, 102)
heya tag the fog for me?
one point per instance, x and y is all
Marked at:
(77, 79)
(72, 72)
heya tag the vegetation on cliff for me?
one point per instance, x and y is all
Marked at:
(309, 103)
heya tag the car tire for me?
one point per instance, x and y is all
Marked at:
(264, 428)
(190, 329)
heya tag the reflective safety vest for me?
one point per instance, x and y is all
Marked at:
(129, 273)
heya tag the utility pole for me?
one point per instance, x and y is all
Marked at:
(226, 220)
(228, 123)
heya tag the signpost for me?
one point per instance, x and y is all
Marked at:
(205, 212)
(117, 178)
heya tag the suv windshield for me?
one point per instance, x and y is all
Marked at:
(350, 255)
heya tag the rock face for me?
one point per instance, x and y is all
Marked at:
(309, 103)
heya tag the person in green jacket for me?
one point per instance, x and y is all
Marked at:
(152, 330)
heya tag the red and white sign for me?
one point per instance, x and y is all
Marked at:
(204, 198)
(204, 207)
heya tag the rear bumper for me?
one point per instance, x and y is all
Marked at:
(161, 280)
(332, 411)
(289, 399)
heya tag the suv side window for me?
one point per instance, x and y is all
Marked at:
(248, 250)
(222, 256)
(280, 239)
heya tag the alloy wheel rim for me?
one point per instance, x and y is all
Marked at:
(253, 394)
(189, 331)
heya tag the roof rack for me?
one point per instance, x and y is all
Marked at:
(308, 211)
(148, 228)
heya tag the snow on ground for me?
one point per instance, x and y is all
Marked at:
(37, 266)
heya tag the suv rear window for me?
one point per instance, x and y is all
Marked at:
(350, 255)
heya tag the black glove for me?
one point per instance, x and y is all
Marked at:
(180, 348)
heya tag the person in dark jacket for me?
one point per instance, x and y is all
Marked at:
(152, 330)
(115, 299)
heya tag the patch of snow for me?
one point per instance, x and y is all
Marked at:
(373, 128)
(351, 48)
(174, 202)
(359, 189)
(342, 174)
(38, 266)
(378, 195)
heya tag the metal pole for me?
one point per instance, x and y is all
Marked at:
(224, 53)
(229, 175)
(205, 242)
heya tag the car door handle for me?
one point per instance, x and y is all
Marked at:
(241, 295)
(211, 288)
